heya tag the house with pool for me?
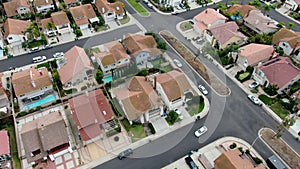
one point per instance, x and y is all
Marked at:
(33, 87)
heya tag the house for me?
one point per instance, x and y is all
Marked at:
(138, 100)
(114, 56)
(43, 6)
(292, 4)
(32, 84)
(207, 19)
(93, 115)
(75, 68)
(142, 47)
(288, 41)
(172, 87)
(14, 31)
(4, 102)
(234, 159)
(45, 136)
(260, 23)
(71, 3)
(84, 15)
(173, 3)
(16, 8)
(110, 11)
(253, 54)
(4, 146)
(241, 10)
(61, 22)
(279, 71)
(226, 34)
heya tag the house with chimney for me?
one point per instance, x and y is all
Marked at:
(44, 137)
(207, 19)
(31, 85)
(43, 6)
(84, 15)
(110, 11)
(279, 71)
(141, 47)
(112, 56)
(93, 115)
(288, 41)
(260, 23)
(172, 87)
(138, 100)
(16, 8)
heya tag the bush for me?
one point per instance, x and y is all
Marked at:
(143, 72)
(267, 100)
(151, 128)
(241, 149)
(257, 160)
(232, 146)
(172, 117)
(243, 76)
(271, 90)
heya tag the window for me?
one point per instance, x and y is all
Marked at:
(36, 152)
(283, 44)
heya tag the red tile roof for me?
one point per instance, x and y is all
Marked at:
(15, 26)
(12, 6)
(89, 111)
(4, 146)
(82, 13)
(256, 53)
(209, 16)
(280, 71)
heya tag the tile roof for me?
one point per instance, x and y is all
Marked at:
(104, 6)
(209, 16)
(256, 53)
(243, 9)
(29, 80)
(82, 13)
(45, 21)
(60, 18)
(67, 2)
(90, 110)
(226, 31)
(76, 61)
(114, 52)
(15, 26)
(4, 146)
(138, 97)
(174, 84)
(12, 6)
(232, 160)
(280, 71)
(44, 133)
(137, 43)
(257, 19)
(286, 35)
(42, 2)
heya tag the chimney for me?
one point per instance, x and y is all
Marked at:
(46, 1)
(154, 83)
(103, 10)
(205, 11)
(145, 78)
(41, 73)
(218, 10)
(268, 23)
(31, 75)
(33, 83)
(104, 112)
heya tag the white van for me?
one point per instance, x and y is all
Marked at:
(38, 59)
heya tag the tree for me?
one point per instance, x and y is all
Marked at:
(255, 3)
(286, 123)
(222, 7)
(99, 76)
(33, 31)
(50, 25)
(291, 25)
(266, 8)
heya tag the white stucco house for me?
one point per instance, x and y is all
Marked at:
(292, 4)
(84, 15)
(43, 6)
(16, 8)
(110, 11)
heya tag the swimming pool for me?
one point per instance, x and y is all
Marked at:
(107, 79)
(45, 100)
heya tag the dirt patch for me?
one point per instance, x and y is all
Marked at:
(281, 148)
(189, 56)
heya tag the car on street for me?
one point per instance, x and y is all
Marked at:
(150, 5)
(174, 13)
(48, 47)
(125, 153)
(254, 100)
(200, 131)
(58, 54)
(39, 59)
(203, 89)
(177, 63)
(253, 85)
(33, 50)
(190, 162)
(145, 1)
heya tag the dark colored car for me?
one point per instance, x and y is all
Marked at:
(189, 161)
(125, 153)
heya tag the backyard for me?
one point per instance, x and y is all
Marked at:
(138, 7)
(135, 131)
(162, 65)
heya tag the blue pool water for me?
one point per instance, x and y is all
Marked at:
(45, 100)
(107, 79)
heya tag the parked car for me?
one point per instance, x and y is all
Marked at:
(39, 59)
(177, 63)
(201, 131)
(146, 1)
(125, 153)
(174, 13)
(182, 6)
(48, 47)
(190, 162)
(178, 7)
(33, 50)
(254, 100)
(203, 89)
(253, 85)
(150, 5)
(58, 54)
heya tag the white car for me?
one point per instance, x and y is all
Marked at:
(39, 59)
(253, 85)
(150, 5)
(58, 54)
(177, 63)
(254, 100)
(202, 89)
(201, 131)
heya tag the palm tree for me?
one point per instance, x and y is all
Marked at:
(255, 3)
(50, 26)
(266, 8)
(33, 31)
(286, 123)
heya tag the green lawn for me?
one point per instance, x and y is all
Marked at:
(138, 7)
(184, 26)
(279, 110)
(196, 108)
(118, 107)
(244, 75)
(135, 131)
(267, 100)
(167, 68)
(125, 20)
(157, 62)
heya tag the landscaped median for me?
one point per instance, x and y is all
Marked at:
(138, 7)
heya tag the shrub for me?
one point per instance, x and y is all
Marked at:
(257, 160)
(151, 128)
(143, 72)
(241, 149)
(267, 100)
(271, 90)
(172, 117)
(232, 146)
